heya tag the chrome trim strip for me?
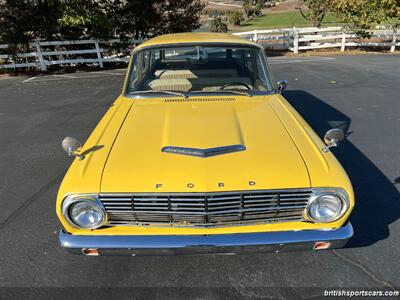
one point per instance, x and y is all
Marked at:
(201, 212)
(203, 152)
(305, 190)
(338, 237)
(156, 224)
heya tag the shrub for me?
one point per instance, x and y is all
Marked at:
(217, 25)
(236, 18)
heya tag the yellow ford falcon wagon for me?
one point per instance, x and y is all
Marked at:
(201, 154)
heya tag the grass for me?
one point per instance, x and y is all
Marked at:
(281, 20)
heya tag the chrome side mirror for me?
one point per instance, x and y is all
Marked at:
(282, 85)
(71, 145)
(332, 138)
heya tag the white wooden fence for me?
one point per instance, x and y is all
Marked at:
(47, 53)
(297, 39)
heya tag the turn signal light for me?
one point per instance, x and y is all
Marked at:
(322, 245)
(90, 251)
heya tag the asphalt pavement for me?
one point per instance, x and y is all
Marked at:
(357, 93)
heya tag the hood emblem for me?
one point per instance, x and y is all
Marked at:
(203, 152)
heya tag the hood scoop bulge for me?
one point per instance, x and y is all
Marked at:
(203, 130)
(203, 152)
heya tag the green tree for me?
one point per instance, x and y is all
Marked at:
(315, 10)
(23, 21)
(145, 18)
(217, 25)
(180, 16)
(236, 17)
(84, 18)
(365, 14)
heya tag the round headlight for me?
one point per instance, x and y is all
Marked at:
(326, 207)
(84, 212)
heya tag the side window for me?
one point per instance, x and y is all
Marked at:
(260, 80)
(136, 69)
(141, 65)
(261, 69)
(251, 62)
(146, 62)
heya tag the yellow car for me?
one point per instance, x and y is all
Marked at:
(201, 154)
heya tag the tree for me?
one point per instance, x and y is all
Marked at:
(145, 18)
(181, 16)
(84, 18)
(315, 10)
(24, 21)
(217, 25)
(365, 14)
(236, 17)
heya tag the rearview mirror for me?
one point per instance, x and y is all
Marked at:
(332, 138)
(282, 85)
(71, 145)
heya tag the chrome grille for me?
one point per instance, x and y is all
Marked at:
(205, 209)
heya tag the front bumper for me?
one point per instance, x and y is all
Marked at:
(205, 244)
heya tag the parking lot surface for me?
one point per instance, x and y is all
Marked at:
(357, 93)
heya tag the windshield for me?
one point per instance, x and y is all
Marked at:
(197, 69)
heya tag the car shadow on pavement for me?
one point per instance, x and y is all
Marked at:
(377, 199)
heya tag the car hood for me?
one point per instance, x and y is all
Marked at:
(136, 162)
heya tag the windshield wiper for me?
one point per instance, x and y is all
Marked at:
(224, 91)
(159, 92)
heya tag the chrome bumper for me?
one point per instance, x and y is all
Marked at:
(206, 244)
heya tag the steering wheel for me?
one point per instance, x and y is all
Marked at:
(235, 83)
